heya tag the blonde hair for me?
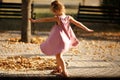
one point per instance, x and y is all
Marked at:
(57, 6)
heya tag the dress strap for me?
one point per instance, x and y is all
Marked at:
(63, 27)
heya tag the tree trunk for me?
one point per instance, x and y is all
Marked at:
(26, 24)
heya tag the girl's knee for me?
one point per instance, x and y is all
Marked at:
(59, 55)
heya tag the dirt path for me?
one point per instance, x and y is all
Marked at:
(92, 58)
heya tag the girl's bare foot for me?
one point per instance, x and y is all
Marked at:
(56, 71)
(63, 74)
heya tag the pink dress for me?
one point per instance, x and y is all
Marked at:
(60, 39)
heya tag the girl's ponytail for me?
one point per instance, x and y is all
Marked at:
(57, 6)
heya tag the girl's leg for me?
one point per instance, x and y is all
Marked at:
(58, 65)
(61, 63)
(58, 69)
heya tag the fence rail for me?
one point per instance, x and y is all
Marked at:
(12, 10)
(98, 14)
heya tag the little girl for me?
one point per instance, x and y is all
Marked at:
(61, 37)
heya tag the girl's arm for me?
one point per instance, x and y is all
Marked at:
(50, 19)
(80, 25)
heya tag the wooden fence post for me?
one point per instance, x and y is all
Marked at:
(26, 24)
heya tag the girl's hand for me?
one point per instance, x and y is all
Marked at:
(90, 30)
(32, 20)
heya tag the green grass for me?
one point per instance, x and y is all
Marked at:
(15, 24)
(45, 12)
